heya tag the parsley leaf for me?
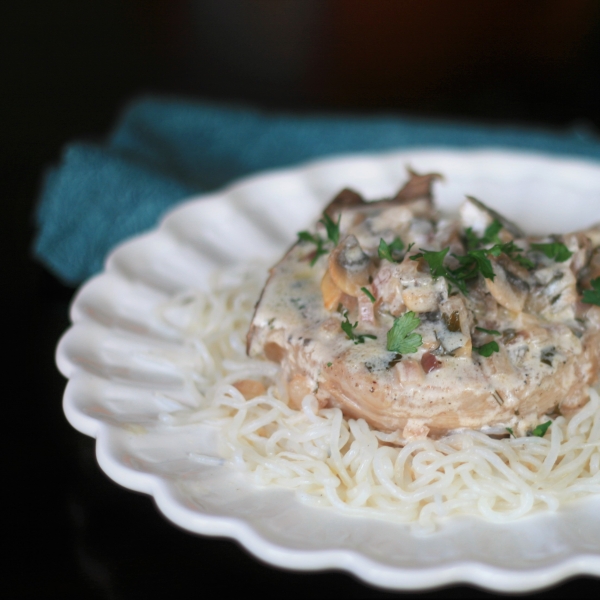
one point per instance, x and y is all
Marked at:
(509, 429)
(514, 253)
(471, 263)
(332, 228)
(400, 338)
(488, 349)
(387, 251)
(490, 331)
(592, 296)
(559, 252)
(333, 235)
(491, 233)
(305, 236)
(435, 260)
(490, 236)
(540, 430)
(368, 294)
(348, 329)
(472, 239)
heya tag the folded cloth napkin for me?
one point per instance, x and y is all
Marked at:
(164, 150)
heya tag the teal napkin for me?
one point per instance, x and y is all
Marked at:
(162, 151)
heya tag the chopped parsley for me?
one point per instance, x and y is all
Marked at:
(490, 236)
(540, 430)
(435, 260)
(491, 233)
(368, 294)
(472, 239)
(348, 329)
(332, 228)
(513, 252)
(390, 251)
(400, 338)
(305, 236)
(329, 364)
(471, 263)
(557, 251)
(488, 349)
(333, 235)
(592, 296)
(490, 331)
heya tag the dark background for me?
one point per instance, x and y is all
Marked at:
(68, 68)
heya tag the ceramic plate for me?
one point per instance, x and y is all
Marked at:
(126, 370)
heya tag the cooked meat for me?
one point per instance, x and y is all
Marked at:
(424, 324)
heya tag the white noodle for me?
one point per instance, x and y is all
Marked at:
(333, 461)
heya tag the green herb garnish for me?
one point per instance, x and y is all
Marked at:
(509, 429)
(488, 349)
(348, 329)
(559, 252)
(540, 430)
(332, 228)
(491, 233)
(472, 239)
(329, 364)
(514, 253)
(473, 262)
(305, 236)
(455, 277)
(400, 338)
(368, 294)
(592, 296)
(490, 331)
(333, 235)
(435, 260)
(490, 236)
(387, 251)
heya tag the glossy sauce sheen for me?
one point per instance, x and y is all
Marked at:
(548, 340)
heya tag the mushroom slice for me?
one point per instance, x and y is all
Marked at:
(347, 198)
(417, 194)
(332, 295)
(349, 266)
(505, 289)
(418, 186)
(421, 293)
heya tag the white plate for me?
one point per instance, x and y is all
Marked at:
(125, 369)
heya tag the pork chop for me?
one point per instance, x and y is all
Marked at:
(421, 323)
